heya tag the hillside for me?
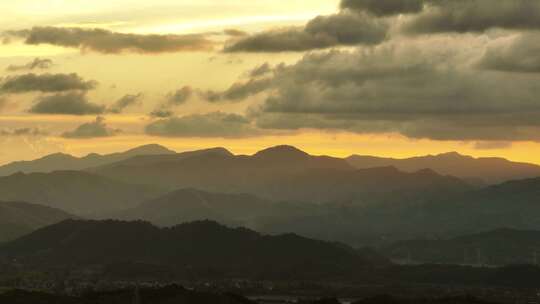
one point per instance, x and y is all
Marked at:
(198, 245)
(512, 204)
(489, 170)
(60, 161)
(163, 295)
(18, 219)
(497, 247)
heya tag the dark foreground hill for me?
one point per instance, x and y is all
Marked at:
(194, 246)
(165, 295)
(18, 219)
(60, 161)
(498, 247)
(491, 170)
(77, 192)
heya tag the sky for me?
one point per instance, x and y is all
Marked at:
(394, 78)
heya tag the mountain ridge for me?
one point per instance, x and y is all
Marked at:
(492, 170)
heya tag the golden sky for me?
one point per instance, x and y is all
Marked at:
(346, 82)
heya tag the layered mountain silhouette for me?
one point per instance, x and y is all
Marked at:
(490, 170)
(60, 161)
(279, 173)
(497, 247)
(193, 246)
(18, 219)
(76, 192)
(187, 205)
(512, 204)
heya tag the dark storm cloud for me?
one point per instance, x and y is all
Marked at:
(384, 7)
(342, 29)
(37, 63)
(45, 83)
(108, 42)
(216, 124)
(68, 104)
(95, 129)
(521, 55)
(476, 16)
(34, 132)
(127, 101)
(400, 88)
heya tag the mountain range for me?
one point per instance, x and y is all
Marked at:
(512, 204)
(18, 219)
(76, 192)
(63, 162)
(490, 170)
(279, 173)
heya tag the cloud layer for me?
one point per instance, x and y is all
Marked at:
(216, 124)
(95, 129)
(37, 63)
(66, 104)
(108, 42)
(47, 83)
(342, 29)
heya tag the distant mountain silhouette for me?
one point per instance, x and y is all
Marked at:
(279, 173)
(60, 161)
(18, 219)
(512, 204)
(203, 245)
(490, 170)
(76, 192)
(189, 205)
(498, 247)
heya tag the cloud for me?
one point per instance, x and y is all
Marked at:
(342, 29)
(126, 101)
(95, 129)
(492, 145)
(238, 91)
(37, 63)
(235, 33)
(384, 7)
(33, 132)
(462, 16)
(45, 83)
(416, 89)
(3, 103)
(68, 104)
(521, 55)
(108, 42)
(161, 113)
(180, 96)
(261, 70)
(216, 124)
(174, 99)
